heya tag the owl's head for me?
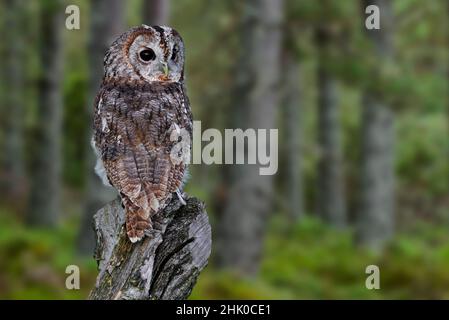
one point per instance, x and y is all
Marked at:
(147, 53)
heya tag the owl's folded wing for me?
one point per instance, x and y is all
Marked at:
(141, 170)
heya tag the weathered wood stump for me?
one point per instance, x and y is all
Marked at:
(164, 265)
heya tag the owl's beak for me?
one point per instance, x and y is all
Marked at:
(164, 68)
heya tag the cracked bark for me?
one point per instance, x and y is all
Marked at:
(164, 265)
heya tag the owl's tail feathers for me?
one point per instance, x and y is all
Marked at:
(137, 221)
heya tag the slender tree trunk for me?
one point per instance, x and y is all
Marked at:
(292, 133)
(46, 160)
(12, 150)
(331, 196)
(242, 228)
(156, 12)
(447, 97)
(376, 217)
(107, 22)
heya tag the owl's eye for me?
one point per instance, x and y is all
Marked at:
(147, 55)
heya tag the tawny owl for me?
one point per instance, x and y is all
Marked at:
(141, 112)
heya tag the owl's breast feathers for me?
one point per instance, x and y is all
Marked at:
(133, 126)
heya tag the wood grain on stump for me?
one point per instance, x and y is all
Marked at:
(164, 265)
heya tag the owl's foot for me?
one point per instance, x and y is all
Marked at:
(181, 199)
(152, 233)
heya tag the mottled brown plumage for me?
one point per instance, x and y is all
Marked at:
(140, 112)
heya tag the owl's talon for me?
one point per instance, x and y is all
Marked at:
(158, 227)
(181, 199)
(151, 233)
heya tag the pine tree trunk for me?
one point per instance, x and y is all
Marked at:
(46, 159)
(376, 217)
(156, 12)
(12, 179)
(243, 223)
(107, 23)
(293, 132)
(447, 97)
(330, 195)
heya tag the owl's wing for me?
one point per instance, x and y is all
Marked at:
(137, 135)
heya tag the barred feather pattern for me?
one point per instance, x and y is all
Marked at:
(133, 122)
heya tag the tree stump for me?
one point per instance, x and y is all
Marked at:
(164, 265)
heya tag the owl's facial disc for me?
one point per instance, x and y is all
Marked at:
(157, 55)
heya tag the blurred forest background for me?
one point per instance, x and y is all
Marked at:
(363, 118)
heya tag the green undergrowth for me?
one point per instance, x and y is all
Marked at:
(313, 261)
(300, 261)
(33, 261)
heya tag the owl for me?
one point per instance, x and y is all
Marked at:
(141, 118)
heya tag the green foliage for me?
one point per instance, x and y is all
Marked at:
(307, 261)
(313, 261)
(75, 129)
(34, 261)
(418, 161)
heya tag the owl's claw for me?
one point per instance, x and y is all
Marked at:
(151, 233)
(181, 199)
